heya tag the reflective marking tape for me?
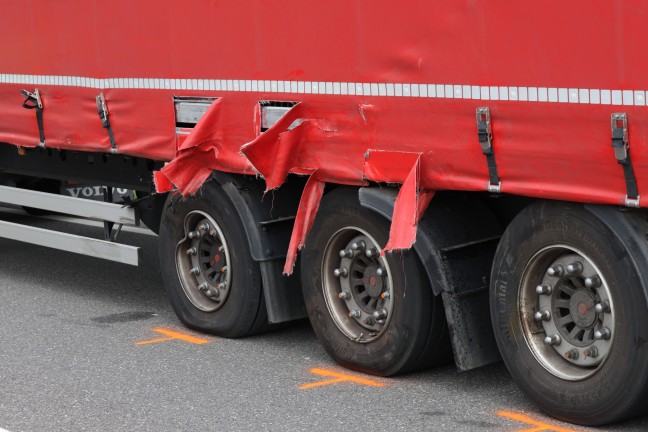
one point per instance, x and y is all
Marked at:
(406, 90)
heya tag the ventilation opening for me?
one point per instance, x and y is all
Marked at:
(190, 109)
(272, 111)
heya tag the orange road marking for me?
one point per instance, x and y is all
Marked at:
(171, 335)
(337, 377)
(539, 426)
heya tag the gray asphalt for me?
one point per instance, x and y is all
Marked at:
(69, 362)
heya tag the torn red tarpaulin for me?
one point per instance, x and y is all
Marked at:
(276, 152)
(207, 148)
(410, 205)
(411, 202)
(308, 206)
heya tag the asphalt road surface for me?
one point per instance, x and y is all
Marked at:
(92, 345)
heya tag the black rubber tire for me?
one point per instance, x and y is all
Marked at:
(417, 335)
(244, 312)
(619, 389)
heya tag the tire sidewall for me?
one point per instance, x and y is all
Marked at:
(608, 390)
(394, 350)
(237, 315)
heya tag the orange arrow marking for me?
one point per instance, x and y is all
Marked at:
(337, 377)
(539, 426)
(171, 335)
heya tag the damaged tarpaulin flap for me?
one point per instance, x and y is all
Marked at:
(277, 151)
(197, 156)
(409, 207)
(308, 206)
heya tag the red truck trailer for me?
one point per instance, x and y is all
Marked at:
(440, 179)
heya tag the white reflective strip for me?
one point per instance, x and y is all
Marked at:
(376, 89)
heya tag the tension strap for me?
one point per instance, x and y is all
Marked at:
(105, 120)
(485, 135)
(33, 101)
(621, 145)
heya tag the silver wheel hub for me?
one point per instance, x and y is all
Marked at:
(357, 285)
(567, 314)
(203, 262)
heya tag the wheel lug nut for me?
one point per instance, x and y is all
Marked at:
(358, 245)
(192, 251)
(194, 234)
(543, 289)
(385, 295)
(344, 295)
(554, 339)
(590, 352)
(603, 334)
(340, 272)
(204, 227)
(354, 313)
(346, 253)
(369, 321)
(575, 268)
(212, 293)
(224, 269)
(604, 306)
(203, 286)
(543, 315)
(212, 233)
(220, 248)
(195, 271)
(371, 252)
(572, 354)
(593, 282)
(380, 314)
(381, 272)
(557, 270)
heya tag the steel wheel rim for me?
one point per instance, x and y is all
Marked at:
(566, 312)
(203, 262)
(357, 285)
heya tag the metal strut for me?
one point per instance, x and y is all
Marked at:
(621, 145)
(105, 121)
(33, 101)
(485, 135)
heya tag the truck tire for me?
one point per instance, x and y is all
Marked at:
(371, 313)
(212, 281)
(570, 313)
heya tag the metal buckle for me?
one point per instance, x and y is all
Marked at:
(484, 131)
(633, 202)
(495, 188)
(619, 125)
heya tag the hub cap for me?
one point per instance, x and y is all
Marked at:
(357, 285)
(566, 312)
(203, 262)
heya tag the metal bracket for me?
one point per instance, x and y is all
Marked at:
(633, 202)
(495, 188)
(619, 124)
(484, 131)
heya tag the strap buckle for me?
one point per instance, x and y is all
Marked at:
(619, 124)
